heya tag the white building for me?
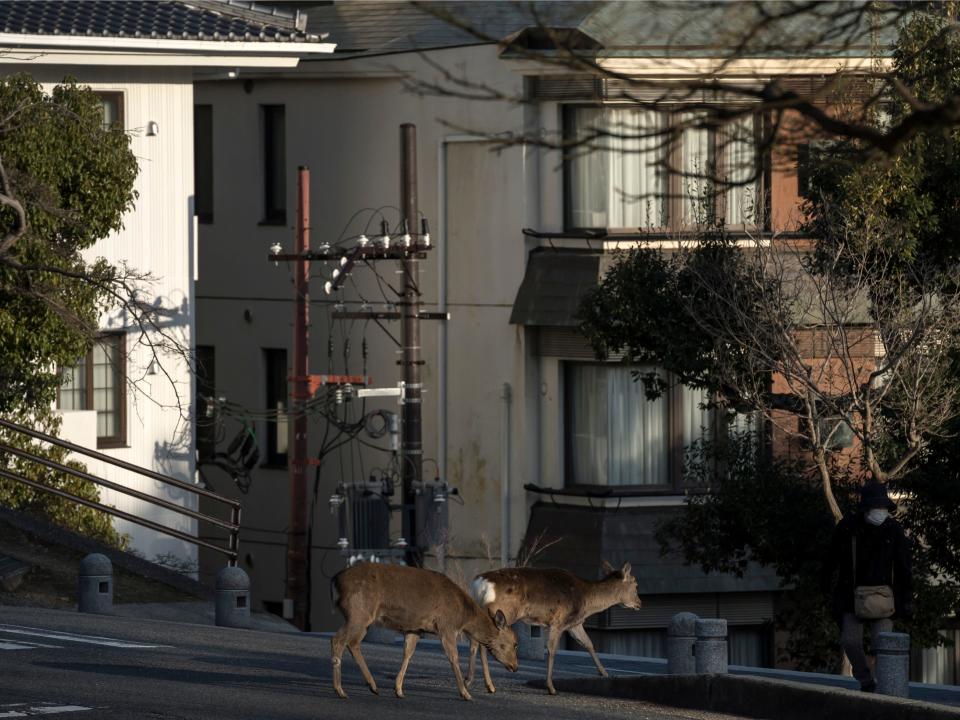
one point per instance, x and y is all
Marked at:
(142, 57)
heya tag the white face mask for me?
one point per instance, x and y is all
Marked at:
(877, 516)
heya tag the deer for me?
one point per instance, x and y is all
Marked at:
(413, 601)
(553, 598)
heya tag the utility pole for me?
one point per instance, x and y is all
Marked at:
(297, 549)
(411, 430)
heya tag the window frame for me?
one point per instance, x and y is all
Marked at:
(673, 396)
(119, 339)
(119, 97)
(674, 201)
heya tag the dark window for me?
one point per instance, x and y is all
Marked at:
(275, 364)
(98, 382)
(112, 104)
(203, 162)
(206, 390)
(624, 173)
(272, 120)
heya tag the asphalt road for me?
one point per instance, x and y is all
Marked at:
(56, 663)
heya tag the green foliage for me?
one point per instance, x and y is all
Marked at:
(767, 510)
(75, 180)
(653, 307)
(63, 512)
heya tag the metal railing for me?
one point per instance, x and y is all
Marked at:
(233, 526)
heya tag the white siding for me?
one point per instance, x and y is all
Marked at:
(157, 238)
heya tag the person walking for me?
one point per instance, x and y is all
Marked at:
(874, 582)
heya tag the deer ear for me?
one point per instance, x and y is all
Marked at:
(625, 571)
(607, 567)
(500, 620)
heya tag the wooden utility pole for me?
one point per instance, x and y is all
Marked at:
(411, 450)
(297, 549)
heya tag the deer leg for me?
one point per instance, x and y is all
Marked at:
(472, 664)
(409, 645)
(337, 644)
(354, 648)
(552, 643)
(487, 680)
(449, 642)
(580, 635)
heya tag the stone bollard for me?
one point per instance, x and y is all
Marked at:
(710, 648)
(681, 635)
(530, 639)
(893, 664)
(95, 585)
(232, 604)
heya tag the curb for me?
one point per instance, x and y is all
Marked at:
(756, 697)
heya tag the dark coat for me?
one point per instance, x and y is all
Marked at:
(883, 558)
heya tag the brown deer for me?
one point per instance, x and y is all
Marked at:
(555, 598)
(413, 601)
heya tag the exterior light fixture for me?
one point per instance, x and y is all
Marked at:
(425, 232)
(385, 234)
(153, 129)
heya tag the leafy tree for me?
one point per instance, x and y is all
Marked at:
(66, 181)
(717, 317)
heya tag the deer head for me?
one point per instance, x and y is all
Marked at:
(626, 590)
(504, 644)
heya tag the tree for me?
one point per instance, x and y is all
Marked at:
(66, 181)
(881, 268)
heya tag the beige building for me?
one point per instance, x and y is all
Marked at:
(535, 435)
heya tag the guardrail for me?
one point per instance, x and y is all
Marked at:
(233, 525)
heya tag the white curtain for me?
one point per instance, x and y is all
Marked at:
(620, 184)
(697, 170)
(589, 172)
(617, 436)
(695, 417)
(740, 171)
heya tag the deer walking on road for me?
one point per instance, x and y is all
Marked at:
(413, 601)
(556, 599)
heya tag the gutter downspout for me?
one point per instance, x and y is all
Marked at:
(505, 397)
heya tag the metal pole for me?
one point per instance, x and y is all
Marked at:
(297, 533)
(412, 447)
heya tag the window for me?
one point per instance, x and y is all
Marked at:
(206, 426)
(622, 181)
(275, 364)
(112, 104)
(98, 382)
(203, 162)
(272, 122)
(615, 436)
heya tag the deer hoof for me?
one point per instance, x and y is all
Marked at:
(373, 689)
(398, 692)
(551, 689)
(491, 689)
(466, 696)
(341, 693)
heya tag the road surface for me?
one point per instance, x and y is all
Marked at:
(65, 664)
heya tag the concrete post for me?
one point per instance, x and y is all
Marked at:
(681, 636)
(711, 646)
(95, 585)
(893, 664)
(232, 602)
(530, 639)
